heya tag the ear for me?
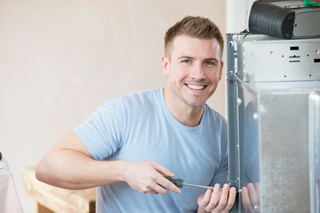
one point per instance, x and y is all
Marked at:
(165, 65)
(221, 68)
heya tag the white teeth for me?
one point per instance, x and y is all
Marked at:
(195, 87)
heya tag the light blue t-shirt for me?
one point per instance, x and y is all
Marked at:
(140, 127)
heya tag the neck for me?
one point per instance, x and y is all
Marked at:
(185, 114)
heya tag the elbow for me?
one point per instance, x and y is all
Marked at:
(40, 172)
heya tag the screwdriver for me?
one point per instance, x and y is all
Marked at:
(179, 183)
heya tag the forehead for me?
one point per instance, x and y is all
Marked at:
(194, 47)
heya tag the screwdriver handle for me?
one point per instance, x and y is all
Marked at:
(178, 182)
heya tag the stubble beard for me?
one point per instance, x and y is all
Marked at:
(184, 99)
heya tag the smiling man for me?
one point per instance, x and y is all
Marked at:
(194, 68)
(126, 146)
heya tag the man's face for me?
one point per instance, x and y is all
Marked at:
(194, 70)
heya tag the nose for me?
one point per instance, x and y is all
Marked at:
(197, 72)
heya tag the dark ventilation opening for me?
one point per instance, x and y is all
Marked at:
(294, 48)
(294, 61)
(317, 60)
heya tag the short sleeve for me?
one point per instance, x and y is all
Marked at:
(102, 132)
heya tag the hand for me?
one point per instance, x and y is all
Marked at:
(217, 201)
(145, 176)
(251, 198)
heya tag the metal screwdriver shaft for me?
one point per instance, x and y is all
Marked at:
(199, 186)
(206, 187)
(179, 183)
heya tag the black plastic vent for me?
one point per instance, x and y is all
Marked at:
(272, 20)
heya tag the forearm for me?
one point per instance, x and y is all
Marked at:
(70, 165)
(71, 169)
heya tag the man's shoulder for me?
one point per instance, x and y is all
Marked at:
(150, 93)
(140, 99)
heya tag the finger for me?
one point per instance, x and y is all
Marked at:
(153, 192)
(151, 187)
(258, 191)
(204, 199)
(252, 194)
(214, 198)
(231, 199)
(168, 185)
(223, 199)
(219, 194)
(246, 200)
(163, 170)
(174, 188)
(159, 189)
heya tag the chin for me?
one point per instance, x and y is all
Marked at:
(195, 104)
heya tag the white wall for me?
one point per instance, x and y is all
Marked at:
(236, 15)
(60, 59)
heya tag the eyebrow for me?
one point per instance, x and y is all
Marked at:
(206, 59)
(188, 57)
(211, 59)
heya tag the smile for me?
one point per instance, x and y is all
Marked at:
(195, 87)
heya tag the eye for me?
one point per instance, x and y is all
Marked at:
(186, 61)
(211, 63)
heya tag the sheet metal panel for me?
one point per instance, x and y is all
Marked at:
(268, 59)
(314, 150)
(277, 133)
(284, 168)
(273, 123)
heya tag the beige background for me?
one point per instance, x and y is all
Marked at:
(60, 59)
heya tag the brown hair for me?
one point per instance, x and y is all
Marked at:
(193, 26)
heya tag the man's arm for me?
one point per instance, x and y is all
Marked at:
(70, 165)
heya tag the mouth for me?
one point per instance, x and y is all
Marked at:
(196, 87)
